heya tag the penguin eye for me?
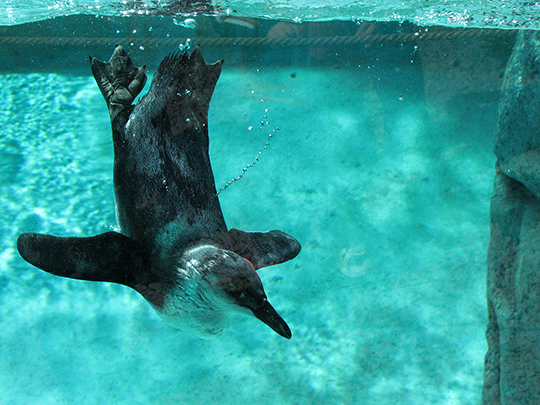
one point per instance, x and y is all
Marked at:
(240, 295)
(249, 297)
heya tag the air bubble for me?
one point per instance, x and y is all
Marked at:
(186, 46)
(189, 23)
(270, 136)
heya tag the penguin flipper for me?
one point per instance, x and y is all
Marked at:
(262, 249)
(107, 257)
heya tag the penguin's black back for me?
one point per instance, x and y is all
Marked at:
(163, 180)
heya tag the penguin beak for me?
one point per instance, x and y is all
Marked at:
(269, 316)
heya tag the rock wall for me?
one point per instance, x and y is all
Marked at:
(512, 364)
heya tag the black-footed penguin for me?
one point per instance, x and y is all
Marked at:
(174, 247)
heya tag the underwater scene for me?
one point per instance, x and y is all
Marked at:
(369, 142)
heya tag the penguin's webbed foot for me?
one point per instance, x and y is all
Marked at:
(119, 80)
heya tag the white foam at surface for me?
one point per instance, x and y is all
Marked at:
(460, 13)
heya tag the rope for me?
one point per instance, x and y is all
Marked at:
(266, 42)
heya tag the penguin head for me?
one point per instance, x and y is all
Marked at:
(235, 281)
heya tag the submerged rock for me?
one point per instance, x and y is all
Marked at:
(512, 363)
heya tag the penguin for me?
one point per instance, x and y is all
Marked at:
(173, 246)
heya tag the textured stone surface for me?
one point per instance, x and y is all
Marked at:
(512, 364)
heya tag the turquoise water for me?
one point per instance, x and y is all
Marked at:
(381, 170)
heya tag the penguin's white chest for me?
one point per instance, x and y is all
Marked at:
(194, 306)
